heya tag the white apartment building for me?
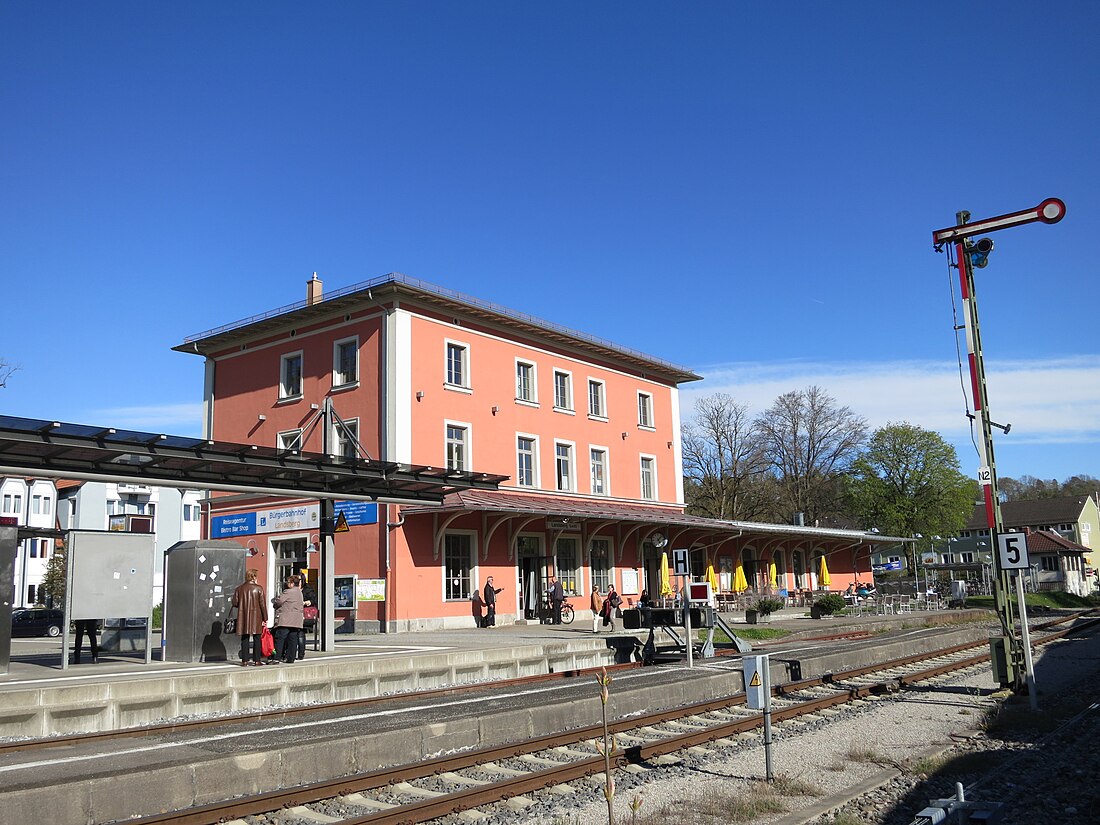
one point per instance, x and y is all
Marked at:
(31, 502)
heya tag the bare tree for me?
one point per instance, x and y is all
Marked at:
(724, 462)
(6, 370)
(810, 442)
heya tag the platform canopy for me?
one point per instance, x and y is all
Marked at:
(51, 449)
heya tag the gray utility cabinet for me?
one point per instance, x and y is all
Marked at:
(9, 543)
(200, 577)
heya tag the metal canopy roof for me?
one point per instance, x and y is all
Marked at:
(52, 449)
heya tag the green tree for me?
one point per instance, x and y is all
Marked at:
(907, 481)
(53, 580)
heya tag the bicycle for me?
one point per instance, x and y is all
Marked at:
(566, 613)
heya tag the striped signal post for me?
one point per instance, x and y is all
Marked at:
(969, 254)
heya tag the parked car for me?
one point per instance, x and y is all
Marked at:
(37, 621)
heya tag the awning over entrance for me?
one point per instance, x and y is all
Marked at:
(51, 449)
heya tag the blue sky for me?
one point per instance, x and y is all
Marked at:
(746, 189)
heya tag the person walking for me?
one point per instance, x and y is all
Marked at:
(251, 606)
(490, 599)
(611, 606)
(597, 608)
(557, 596)
(289, 618)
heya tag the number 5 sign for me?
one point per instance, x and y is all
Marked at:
(1012, 549)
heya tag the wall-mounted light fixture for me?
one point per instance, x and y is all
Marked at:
(624, 436)
(670, 445)
(419, 395)
(496, 410)
(315, 406)
(262, 417)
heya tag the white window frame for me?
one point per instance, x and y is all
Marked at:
(605, 466)
(474, 577)
(340, 380)
(652, 460)
(567, 406)
(464, 384)
(466, 444)
(645, 411)
(571, 473)
(572, 579)
(600, 412)
(284, 360)
(340, 443)
(533, 398)
(535, 480)
(285, 440)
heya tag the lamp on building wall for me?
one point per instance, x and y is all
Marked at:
(261, 417)
(624, 436)
(496, 409)
(419, 395)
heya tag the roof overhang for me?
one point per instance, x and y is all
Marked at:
(51, 449)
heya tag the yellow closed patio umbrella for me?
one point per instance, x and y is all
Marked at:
(823, 576)
(739, 582)
(666, 579)
(712, 577)
(773, 574)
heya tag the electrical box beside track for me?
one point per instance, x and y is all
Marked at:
(1003, 671)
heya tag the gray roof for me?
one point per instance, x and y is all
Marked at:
(1044, 511)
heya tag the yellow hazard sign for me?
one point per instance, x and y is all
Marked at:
(755, 680)
(341, 524)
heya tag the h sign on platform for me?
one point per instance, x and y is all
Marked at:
(680, 562)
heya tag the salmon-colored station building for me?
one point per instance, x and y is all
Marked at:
(584, 435)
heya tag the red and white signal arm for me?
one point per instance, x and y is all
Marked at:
(1012, 551)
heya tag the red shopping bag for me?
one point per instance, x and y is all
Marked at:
(267, 642)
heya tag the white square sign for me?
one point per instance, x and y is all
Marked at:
(1012, 551)
(680, 562)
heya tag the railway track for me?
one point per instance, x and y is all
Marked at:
(479, 779)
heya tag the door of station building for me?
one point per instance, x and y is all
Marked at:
(531, 573)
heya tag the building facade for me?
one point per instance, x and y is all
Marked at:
(585, 432)
(29, 502)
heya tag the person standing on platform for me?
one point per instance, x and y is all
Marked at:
(597, 608)
(86, 626)
(490, 599)
(251, 606)
(611, 606)
(557, 596)
(289, 618)
(311, 614)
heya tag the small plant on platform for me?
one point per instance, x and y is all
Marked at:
(607, 747)
(766, 605)
(830, 604)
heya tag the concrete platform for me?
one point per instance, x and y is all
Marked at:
(38, 698)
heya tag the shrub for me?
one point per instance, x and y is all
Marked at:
(830, 604)
(766, 605)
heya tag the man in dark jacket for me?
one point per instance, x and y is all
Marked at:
(251, 617)
(490, 599)
(557, 596)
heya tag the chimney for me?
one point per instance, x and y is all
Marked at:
(313, 290)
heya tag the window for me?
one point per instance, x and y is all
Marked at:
(598, 460)
(563, 466)
(13, 503)
(597, 406)
(601, 563)
(41, 505)
(456, 447)
(345, 362)
(645, 409)
(965, 558)
(458, 365)
(290, 376)
(457, 561)
(563, 390)
(525, 382)
(525, 461)
(1049, 563)
(290, 557)
(290, 440)
(566, 565)
(345, 438)
(191, 512)
(649, 477)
